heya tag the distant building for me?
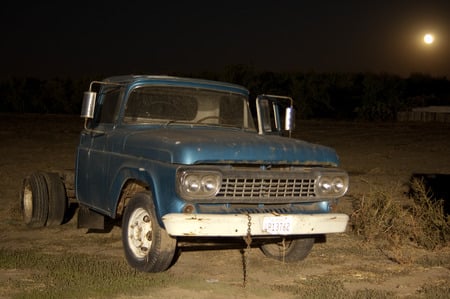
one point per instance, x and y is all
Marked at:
(430, 113)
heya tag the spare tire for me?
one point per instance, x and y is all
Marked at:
(35, 200)
(57, 200)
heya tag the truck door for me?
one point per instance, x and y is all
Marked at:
(92, 169)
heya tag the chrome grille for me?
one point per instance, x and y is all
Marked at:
(270, 188)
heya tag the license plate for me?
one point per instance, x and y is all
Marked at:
(280, 225)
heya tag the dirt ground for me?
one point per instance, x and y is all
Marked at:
(380, 155)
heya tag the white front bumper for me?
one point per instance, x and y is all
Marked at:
(235, 225)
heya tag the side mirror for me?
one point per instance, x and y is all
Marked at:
(289, 121)
(87, 108)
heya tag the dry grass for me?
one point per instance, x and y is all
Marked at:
(320, 287)
(381, 219)
(431, 225)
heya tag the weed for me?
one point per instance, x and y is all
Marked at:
(315, 288)
(372, 294)
(378, 217)
(438, 290)
(432, 227)
(437, 258)
(382, 219)
(77, 276)
(321, 287)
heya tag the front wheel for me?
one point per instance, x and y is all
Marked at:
(288, 250)
(148, 247)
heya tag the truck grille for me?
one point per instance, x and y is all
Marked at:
(269, 188)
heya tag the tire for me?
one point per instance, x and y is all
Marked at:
(57, 200)
(147, 246)
(293, 250)
(34, 200)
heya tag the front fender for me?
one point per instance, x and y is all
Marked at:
(159, 178)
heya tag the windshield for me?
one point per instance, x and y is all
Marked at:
(168, 104)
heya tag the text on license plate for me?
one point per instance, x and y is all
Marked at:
(281, 225)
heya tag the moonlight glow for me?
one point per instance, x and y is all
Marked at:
(428, 38)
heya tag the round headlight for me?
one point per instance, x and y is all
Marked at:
(192, 184)
(210, 183)
(325, 185)
(338, 184)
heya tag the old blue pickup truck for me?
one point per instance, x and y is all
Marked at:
(185, 159)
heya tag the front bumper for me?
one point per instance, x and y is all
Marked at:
(237, 225)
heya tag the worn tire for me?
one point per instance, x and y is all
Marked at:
(293, 250)
(57, 200)
(34, 200)
(147, 246)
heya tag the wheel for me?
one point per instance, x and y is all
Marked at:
(35, 200)
(148, 247)
(288, 250)
(57, 200)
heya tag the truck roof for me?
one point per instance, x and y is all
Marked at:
(177, 81)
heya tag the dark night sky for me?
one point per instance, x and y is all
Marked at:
(56, 38)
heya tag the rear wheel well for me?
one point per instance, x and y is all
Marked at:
(130, 188)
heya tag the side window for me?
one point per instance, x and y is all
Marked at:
(109, 105)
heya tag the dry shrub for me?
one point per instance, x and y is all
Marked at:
(431, 225)
(380, 218)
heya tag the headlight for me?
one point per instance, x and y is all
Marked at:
(194, 184)
(333, 184)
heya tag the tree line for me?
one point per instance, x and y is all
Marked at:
(346, 96)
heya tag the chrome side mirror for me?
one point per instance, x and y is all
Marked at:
(88, 106)
(289, 121)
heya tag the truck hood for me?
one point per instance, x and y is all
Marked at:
(188, 146)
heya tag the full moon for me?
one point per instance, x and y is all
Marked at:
(428, 38)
